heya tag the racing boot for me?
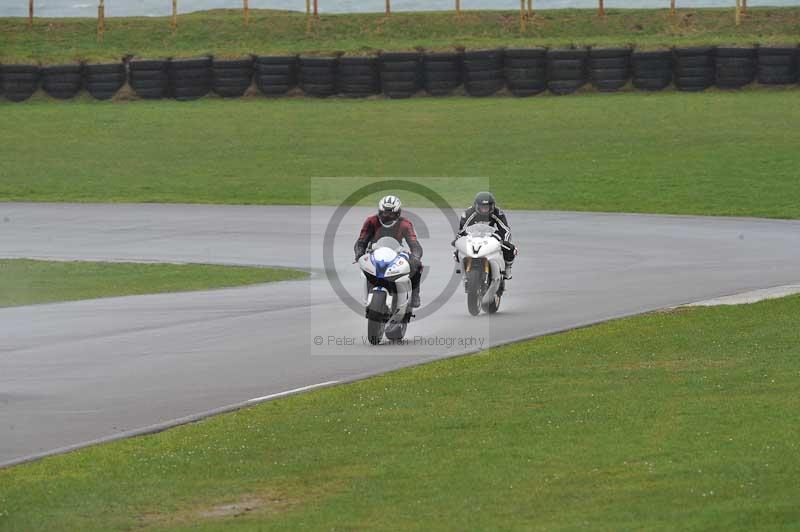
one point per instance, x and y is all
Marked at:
(507, 273)
(415, 303)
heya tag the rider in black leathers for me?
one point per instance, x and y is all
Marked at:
(484, 210)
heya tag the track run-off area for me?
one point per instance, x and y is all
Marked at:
(86, 371)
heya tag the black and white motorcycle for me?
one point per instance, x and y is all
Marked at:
(482, 266)
(387, 290)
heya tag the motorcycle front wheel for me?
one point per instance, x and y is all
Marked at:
(375, 313)
(474, 283)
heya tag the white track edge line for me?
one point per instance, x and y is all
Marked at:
(290, 392)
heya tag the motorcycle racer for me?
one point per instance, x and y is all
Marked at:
(484, 210)
(389, 222)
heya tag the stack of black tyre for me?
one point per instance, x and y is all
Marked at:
(442, 72)
(317, 76)
(190, 79)
(735, 67)
(62, 81)
(566, 70)
(401, 74)
(777, 66)
(526, 71)
(694, 68)
(483, 72)
(103, 81)
(276, 75)
(231, 78)
(358, 76)
(150, 79)
(19, 82)
(609, 68)
(651, 71)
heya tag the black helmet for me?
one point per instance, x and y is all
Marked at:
(389, 210)
(484, 203)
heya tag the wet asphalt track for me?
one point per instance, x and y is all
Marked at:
(74, 372)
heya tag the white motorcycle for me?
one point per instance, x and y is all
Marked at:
(481, 259)
(387, 289)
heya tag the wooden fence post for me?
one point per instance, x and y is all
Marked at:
(101, 21)
(388, 7)
(672, 7)
(522, 16)
(601, 9)
(246, 7)
(316, 8)
(30, 13)
(530, 8)
(174, 14)
(458, 7)
(738, 12)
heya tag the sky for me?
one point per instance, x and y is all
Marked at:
(122, 8)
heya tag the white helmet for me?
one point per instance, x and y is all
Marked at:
(389, 209)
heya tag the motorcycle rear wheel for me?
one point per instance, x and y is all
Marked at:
(493, 306)
(397, 333)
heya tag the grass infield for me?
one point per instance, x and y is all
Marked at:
(683, 420)
(715, 153)
(28, 282)
(220, 32)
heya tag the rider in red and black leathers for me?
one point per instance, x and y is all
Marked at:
(388, 222)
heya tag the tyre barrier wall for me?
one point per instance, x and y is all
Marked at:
(609, 68)
(401, 74)
(735, 67)
(103, 81)
(483, 72)
(358, 77)
(276, 75)
(317, 76)
(694, 68)
(150, 79)
(777, 66)
(566, 70)
(19, 82)
(525, 72)
(651, 71)
(442, 73)
(62, 82)
(190, 79)
(231, 78)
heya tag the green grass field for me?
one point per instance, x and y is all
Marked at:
(28, 282)
(221, 32)
(716, 153)
(684, 420)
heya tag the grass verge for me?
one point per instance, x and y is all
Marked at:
(28, 282)
(716, 153)
(220, 32)
(685, 420)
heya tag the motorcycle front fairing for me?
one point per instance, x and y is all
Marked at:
(386, 269)
(481, 246)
